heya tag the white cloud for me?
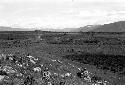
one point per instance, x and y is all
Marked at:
(11, 1)
(49, 13)
(15, 1)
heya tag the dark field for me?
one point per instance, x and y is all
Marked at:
(103, 51)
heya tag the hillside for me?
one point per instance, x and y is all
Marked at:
(87, 28)
(80, 29)
(112, 27)
(3, 28)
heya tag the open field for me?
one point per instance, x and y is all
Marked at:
(103, 54)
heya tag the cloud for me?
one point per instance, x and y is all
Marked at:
(64, 18)
(75, 1)
(50, 13)
(15, 1)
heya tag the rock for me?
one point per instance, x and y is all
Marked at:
(1, 77)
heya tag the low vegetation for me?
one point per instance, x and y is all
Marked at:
(25, 69)
(114, 63)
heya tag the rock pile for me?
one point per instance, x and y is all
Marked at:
(17, 69)
(86, 76)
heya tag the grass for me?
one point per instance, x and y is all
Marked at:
(105, 51)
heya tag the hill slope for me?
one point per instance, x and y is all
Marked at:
(112, 27)
(3, 28)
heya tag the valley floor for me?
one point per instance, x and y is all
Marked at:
(44, 64)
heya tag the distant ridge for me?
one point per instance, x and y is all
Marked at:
(3, 28)
(86, 28)
(81, 29)
(112, 27)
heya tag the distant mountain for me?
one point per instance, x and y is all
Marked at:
(112, 27)
(2, 28)
(81, 29)
(86, 28)
(57, 30)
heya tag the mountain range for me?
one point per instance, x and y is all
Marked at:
(111, 27)
(4, 28)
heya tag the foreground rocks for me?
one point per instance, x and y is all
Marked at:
(18, 69)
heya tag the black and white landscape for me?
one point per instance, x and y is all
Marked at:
(62, 42)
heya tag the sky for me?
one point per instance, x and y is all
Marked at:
(58, 14)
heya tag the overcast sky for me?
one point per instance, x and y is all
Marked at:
(60, 13)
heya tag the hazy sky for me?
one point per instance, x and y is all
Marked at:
(60, 13)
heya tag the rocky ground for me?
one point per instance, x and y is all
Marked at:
(25, 69)
(41, 64)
